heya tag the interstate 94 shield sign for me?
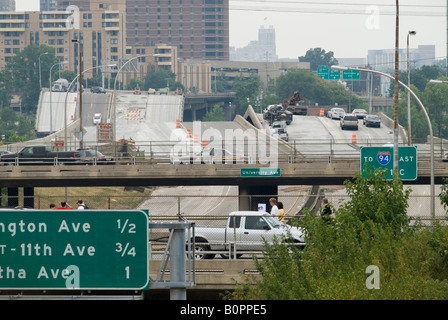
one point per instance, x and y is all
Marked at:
(383, 157)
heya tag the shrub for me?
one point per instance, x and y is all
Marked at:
(370, 229)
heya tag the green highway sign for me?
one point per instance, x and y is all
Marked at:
(323, 69)
(325, 72)
(260, 172)
(334, 75)
(383, 157)
(71, 249)
(351, 74)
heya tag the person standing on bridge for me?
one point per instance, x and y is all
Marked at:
(281, 212)
(327, 213)
(274, 208)
(64, 206)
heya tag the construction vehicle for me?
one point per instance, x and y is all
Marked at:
(296, 104)
(276, 112)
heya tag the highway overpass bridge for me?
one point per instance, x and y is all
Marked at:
(293, 171)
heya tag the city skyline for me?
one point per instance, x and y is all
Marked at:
(347, 29)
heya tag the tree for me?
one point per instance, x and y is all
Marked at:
(159, 79)
(435, 99)
(317, 57)
(5, 88)
(314, 89)
(217, 114)
(24, 70)
(246, 92)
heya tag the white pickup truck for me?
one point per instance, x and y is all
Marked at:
(246, 230)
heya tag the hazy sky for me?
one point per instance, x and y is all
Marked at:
(349, 28)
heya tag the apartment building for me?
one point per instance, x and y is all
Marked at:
(99, 33)
(198, 28)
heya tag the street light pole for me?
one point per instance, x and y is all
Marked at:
(409, 85)
(66, 96)
(431, 140)
(81, 138)
(40, 74)
(51, 104)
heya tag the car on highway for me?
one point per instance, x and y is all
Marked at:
(372, 120)
(279, 125)
(280, 133)
(349, 121)
(97, 90)
(360, 113)
(245, 231)
(97, 118)
(445, 157)
(90, 156)
(209, 156)
(336, 113)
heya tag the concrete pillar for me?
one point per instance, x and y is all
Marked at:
(13, 197)
(28, 197)
(252, 195)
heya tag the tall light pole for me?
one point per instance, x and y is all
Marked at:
(51, 104)
(409, 85)
(80, 92)
(66, 96)
(396, 81)
(431, 140)
(40, 74)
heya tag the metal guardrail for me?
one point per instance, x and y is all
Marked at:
(153, 152)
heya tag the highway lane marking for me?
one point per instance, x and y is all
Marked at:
(293, 205)
(328, 121)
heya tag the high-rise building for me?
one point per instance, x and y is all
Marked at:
(198, 28)
(384, 60)
(261, 50)
(47, 5)
(7, 5)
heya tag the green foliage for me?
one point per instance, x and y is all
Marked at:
(24, 70)
(317, 57)
(160, 79)
(16, 127)
(370, 229)
(246, 92)
(314, 89)
(216, 115)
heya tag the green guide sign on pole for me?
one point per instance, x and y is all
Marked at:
(71, 249)
(383, 157)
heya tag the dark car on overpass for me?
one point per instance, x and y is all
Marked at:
(97, 90)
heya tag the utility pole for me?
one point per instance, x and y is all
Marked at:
(80, 92)
(396, 175)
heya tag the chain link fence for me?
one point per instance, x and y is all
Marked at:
(212, 212)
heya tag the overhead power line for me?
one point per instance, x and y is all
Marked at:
(337, 8)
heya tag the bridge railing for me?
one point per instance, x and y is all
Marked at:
(298, 151)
